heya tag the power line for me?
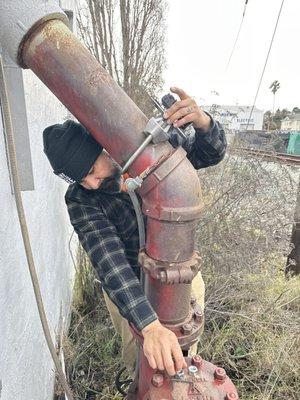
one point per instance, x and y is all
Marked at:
(266, 61)
(238, 34)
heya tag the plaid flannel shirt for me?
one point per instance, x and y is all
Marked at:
(107, 229)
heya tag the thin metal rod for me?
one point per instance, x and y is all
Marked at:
(136, 153)
(238, 35)
(264, 68)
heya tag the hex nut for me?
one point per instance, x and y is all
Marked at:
(162, 276)
(198, 316)
(180, 374)
(193, 370)
(197, 361)
(157, 380)
(186, 329)
(231, 396)
(220, 374)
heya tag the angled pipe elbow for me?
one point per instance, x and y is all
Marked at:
(172, 201)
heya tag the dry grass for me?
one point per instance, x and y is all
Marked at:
(92, 348)
(252, 329)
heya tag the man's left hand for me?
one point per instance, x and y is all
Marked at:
(186, 110)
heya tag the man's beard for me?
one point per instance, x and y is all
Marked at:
(112, 184)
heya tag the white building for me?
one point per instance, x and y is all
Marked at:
(235, 118)
(26, 368)
(291, 123)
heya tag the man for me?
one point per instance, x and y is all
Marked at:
(104, 219)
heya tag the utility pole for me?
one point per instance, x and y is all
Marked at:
(293, 260)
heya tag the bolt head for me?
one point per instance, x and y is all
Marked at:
(193, 370)
(162, 276)
(157, 380)
(197, 361)
(180, 374)
(231, 396)
(186, 329)
(220, 374)
(198, 316)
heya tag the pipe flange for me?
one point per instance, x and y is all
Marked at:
(170, 273)
(19, 18)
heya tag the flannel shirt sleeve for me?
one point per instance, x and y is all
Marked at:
(207, 148)
(107, 254)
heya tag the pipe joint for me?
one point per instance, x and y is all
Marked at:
(170, 273)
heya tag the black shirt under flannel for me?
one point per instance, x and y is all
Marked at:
(107, 229)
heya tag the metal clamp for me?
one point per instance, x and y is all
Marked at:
(170, 273)
(158, 130)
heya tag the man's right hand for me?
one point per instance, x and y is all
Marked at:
(161, 347)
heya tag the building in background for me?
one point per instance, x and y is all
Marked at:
(235, 118)
(26, 367)
(291, 123)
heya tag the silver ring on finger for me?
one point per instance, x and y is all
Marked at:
(190, 109)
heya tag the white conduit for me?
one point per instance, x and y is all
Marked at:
(25, 235)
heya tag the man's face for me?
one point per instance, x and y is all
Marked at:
(105, 174)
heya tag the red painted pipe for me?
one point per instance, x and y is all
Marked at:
(171, 194)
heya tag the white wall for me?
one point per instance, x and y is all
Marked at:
(26, 368)
(290, 124)
(236, 117)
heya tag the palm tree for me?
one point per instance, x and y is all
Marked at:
(274, 87)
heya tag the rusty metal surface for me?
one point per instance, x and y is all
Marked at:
(170, 241)
(58, 58)
(201, 380)
(163, 170)
(170, 272)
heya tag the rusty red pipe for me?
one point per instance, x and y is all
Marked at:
(58, 58)
(171, 194)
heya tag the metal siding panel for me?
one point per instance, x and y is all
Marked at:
(15, 88)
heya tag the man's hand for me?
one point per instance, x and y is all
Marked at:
(186, 110)
(161, 347)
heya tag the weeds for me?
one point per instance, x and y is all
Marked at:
(252, 329)
(92, 348)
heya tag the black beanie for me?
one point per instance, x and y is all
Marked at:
(71, 150)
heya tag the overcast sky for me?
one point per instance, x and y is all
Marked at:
(201, 34)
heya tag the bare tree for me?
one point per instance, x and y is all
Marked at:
(246, 224)
(128, 39)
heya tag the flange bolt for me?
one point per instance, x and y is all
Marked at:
(193, 370)
(231, 396)
(220, 374)
(180, 374)
(197, 361)
(186, 329)
(157, 380)
(198, 316)
(162, 276)
(193, 301)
